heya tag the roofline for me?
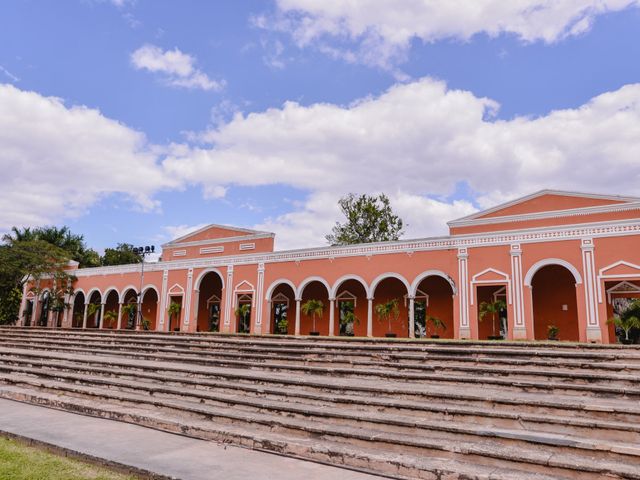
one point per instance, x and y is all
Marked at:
(217, 225)
(539, 193)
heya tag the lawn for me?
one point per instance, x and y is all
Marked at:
(22, 462)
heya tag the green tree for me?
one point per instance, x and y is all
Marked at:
(369, 218)
(313, 308)
(121, 255)
(628, 320)
(493, 309)
(389, 311)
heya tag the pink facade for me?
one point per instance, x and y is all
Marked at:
(556, 258)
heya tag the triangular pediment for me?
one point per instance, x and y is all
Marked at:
(621, 269)
(548, 201)
(216, 232)
(491, 275)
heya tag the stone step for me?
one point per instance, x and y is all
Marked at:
(367, 393)
(569, 456)
(527, 381)
(401, 413)
(423, 361)
(394, 465)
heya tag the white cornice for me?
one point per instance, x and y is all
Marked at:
(563, 193)
(222, 227)
(212, 241)
(507, 238)
(572, 212)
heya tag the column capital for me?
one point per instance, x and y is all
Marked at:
(515, 250)
(332, 299)
(463, 253)
(587, 244)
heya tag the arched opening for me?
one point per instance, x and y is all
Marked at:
(93, 310)
(45, 308)
(351, 309)
(433, 308)
(77, 314)
(492, 301)
(396, 321)
(209, 298)
(243, 312)
(319, 291)
(111, 306)
(149, 309)
(554, 303)
(282, 301)
(129, 309)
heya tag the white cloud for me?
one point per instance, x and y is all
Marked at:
(417, 142)
(383, 29)
(176, 231)
(178, 67)
(58, 160)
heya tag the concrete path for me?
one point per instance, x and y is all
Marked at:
(157, 452)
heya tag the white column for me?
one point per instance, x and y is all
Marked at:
(259, 299)
(162, 314)
(228, 297)
(369, 317)
(102, 315)
(412, 317)
(297, 332)
(332, 316)
(23, 303)
(187, 299)
(589, 268)
(519, 326)
(119, 326)
(84, 318)
(463, 292)
(36, 302)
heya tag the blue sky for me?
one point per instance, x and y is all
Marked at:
(133, 121)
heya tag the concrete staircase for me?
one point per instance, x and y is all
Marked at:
(405, 409)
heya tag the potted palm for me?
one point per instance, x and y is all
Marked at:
(436, 323)
(174, 314)
(493, 309)
(283, 326)
(348, 320)
(388, 311)
(129, 311)
(110, 319)
(626, 323)
(552, 332)
(313, 308)
(92, 311)
(244, 313)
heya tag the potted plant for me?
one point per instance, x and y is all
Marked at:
(626, 323)
(92, 310)
(110, 319)
(388, 311)
(130, 310)
(552, 332)
(313, 308)
(145, 323)
(493, 309)
(436, 323)
(174, 313)
(244, 312)
(282, 326)
(347, 321)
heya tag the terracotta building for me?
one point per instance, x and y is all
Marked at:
(555, 258)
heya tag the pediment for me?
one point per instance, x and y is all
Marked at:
(176, 289)
(624, 287)
(491, 275)
(621, 269)
(215, 232)
(244, 286)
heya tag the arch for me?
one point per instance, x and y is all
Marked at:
(148, 287)
(277, 283)
(90, 294)
(204, 274)
(432, 273)
(111, 289)
(338, 283)
(551, 261)
(76, 291)
(125, 290)
(309, 280)
(384, 276)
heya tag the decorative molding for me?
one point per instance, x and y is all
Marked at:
(219, 249)
(602, 277)
(215, 241)
(552, 261)
(179, 253)
(505, 279)
(247, 246)
(517, 287)
(622, 287)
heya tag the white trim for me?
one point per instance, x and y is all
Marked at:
(179, 253)
(78, 290)
(205, 250)
(238, 292)
(613, 290)
(432, 273)
(384, 276)
(247, 246)
(202, 274)
(506, 280)
(307, 281)
(218, 226)
(338, 283)
(347, 296)
(148, 287)
(108, 292)
(551, 261)
(179, 290)
(531, 235)
(280, 298)
(275, 285)
(87, 298)
(125, 290)
(602, 277)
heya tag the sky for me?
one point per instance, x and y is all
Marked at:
(137, 121)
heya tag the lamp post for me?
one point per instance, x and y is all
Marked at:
(143, 252)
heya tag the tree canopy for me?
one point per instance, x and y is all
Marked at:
(121, 255)
(369, 218)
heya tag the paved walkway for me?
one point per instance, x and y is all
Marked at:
(158, 452)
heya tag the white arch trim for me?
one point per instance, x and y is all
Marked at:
(307, 281)
(125, 290)
(384, 276)
(275, 285)
(78, 290)
(338, 283)
(108, 291)
(148, 287)
(551, 261)
(432, 273)
(87, 298)
(204, 273)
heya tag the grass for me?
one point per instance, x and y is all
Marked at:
(21, 462)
